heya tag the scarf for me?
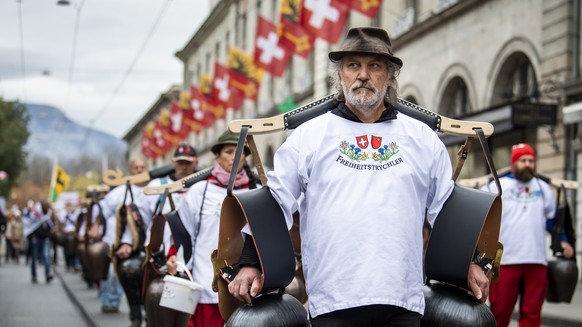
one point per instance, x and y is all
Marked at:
(223, 176)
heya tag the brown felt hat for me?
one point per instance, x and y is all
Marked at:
(366, 40)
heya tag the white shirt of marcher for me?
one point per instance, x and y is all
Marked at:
(525, 210)
(363, 213)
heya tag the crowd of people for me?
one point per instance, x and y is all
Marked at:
(345, 232)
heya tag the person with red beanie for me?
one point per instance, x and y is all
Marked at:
(529, 207)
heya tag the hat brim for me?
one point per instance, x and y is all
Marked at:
(217, 147)
(338, 55)
(184, 158)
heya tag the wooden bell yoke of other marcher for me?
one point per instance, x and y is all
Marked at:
(179, 185)
(116, 178)
(558, 183)
(266, 220)
(180, 235)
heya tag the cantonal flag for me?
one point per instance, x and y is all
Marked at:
(369, 8)
(294, 37)
(59, 182)
(244, 73)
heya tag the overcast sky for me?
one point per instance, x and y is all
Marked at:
(109, 36)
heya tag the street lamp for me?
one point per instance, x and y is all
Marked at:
(63, 2)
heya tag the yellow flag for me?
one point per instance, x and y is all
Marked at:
(60, 182)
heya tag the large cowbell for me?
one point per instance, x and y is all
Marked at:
(265, 218)
(259, 209)
(469, 219)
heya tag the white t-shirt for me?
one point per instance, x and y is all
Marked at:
(147, 206)
(525, 209)
(366, 190)
(109, 205)
(203, 232)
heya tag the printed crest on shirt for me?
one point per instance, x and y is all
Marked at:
(525, 194)
(368, 152)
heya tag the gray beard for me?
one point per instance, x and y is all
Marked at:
(356, 96)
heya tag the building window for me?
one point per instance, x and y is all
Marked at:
(516, 81)
(207, 63)
(455, 100)
(405, 20)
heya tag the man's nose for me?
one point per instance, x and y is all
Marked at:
(363, 74)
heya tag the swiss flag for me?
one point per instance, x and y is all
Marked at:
(178, 124)
(164, 123)
(146, 143)
(325, 18)
(269, 54)
(369, 8)
(362, 141)
(197, 116)
(222, 91)
(160, 144)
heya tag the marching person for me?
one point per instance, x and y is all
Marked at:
(120, 243)
(200, 214)
(69, 221)
(15, 233)
(362, 253)
(39, 219)
(185, 162)
(528, 205)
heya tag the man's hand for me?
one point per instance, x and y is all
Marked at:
(124, 251)
(568, 250)
(478, 283)
(246, 285)
(172, 265)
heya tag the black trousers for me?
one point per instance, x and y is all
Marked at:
(369, 315)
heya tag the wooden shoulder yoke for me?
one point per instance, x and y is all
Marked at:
(296, 117)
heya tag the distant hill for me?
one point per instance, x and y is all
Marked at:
(52, 134)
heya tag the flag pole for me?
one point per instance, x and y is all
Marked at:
(53, 180)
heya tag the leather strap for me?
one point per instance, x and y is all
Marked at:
(238, 154)
(462, 155)
(488, 158)
(257, 159)
(180, 235)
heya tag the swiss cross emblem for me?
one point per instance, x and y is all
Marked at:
(362, 141)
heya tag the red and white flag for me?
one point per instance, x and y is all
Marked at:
(324, 18)
(269, 53)
(223, 91)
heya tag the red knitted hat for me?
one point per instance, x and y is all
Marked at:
(519, 150)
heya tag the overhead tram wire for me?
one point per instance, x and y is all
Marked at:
(22, 62)
(151, 31)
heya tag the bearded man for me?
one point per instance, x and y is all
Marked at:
(529, 207)
(368, 175)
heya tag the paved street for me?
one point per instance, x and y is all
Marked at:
(67, 301)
